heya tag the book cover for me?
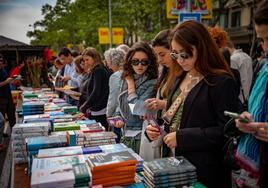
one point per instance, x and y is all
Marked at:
(104, 161)
(170, 165)
(36, 143)
(61, 151)
(90, 150)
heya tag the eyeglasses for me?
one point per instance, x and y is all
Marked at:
(136, 62)
(181, 56)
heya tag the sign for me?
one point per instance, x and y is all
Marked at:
(104, 36)
(175, 7)
(189, 16)
(171, 6)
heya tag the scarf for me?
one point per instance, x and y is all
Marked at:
(249, 151)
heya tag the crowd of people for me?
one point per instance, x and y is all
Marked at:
(187, 76)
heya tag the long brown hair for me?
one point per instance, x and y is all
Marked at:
(209, 60)
(151, 71)
(168, 75)
(78, 60)
(92, 52)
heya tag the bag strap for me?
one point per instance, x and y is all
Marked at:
(243, 95)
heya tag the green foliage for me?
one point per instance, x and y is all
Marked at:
(78, 22)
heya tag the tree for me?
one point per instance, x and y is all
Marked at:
(78, 22)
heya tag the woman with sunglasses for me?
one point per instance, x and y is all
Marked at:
(194, 118)
(139, 81)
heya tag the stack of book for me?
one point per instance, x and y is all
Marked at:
(37, 118)
(110, 169)
(29, 95)
(22, 131)
(61, 118)
(169, 172)
(93, 127)
(34, 144)
(70, 109)
(94, 139)
(122, 147)
(51, 107)
(66, 126)
(65, 172)
(33, 107)
(67, 151)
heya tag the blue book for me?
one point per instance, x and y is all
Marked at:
(41, 142)
(90, 150)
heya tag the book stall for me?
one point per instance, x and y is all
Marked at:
(54, 145)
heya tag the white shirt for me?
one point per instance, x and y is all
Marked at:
(243, 63)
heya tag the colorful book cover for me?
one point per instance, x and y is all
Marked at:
(104, 161)
(170, 165)
(90, 150)
(36, 143)
(61, 151)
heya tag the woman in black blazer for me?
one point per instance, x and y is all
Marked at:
(199, 97)
(95, 87)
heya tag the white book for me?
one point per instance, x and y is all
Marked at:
(61, 151)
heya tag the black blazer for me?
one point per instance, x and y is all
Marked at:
(200, 136)
(95, 89)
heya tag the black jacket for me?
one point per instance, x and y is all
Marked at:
(95, 89)
(200, 137)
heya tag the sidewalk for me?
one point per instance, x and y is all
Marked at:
(6, 163)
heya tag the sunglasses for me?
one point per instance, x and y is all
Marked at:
(181, 56)
(136, 62)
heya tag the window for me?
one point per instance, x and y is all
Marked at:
(235, 19)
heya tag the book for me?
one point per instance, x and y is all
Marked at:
(41, 142)
(104, 161)
(113, 120)
(71, 138)
(90, 150)
(60, 151)
(170, 165)
(69, 174)
(113, 147)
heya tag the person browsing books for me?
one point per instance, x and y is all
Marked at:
(139, 81)
(95, 87)
(252, 152)
(194, 118)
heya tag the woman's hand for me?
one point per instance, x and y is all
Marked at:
(119, 124)
(245, 127)
(171, 140)
(130, 84)
(152, 132)
(261, 130)
(155, 104)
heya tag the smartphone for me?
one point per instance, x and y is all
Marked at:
(236, 116)
(154, 123)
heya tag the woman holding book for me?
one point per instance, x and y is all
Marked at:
(139, 81)
(194, 119)
(95, 87)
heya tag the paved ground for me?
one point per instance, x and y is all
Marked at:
(6, 164)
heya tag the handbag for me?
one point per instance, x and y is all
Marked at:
(232, 137)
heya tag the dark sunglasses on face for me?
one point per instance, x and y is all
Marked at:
(136, 62)
(181, 56)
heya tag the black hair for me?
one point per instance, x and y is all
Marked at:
(261, 14)
(65, 51)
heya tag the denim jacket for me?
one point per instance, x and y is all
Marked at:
(145, 89)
